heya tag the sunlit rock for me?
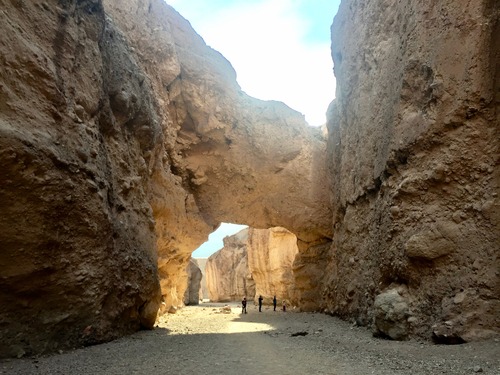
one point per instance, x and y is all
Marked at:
(227, 273)
(271, 253)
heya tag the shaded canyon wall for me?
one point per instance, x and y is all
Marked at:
(413, 141)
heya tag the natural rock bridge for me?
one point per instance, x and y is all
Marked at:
(125, 141)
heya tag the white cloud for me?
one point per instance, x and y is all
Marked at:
(266, 44)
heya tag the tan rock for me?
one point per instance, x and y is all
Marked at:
(271, 253)
(227, 149)
(227, 273)
(202, 263)
(192, 295)
(413, 139)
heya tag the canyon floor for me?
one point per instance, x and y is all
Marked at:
(201, 340)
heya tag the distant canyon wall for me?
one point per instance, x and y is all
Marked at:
(227, 274)
(271, 254)
(253, 263)
(413, 143)
(193, 292)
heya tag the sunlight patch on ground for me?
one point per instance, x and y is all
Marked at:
(247, 327)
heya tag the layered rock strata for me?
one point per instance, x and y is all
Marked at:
(414, 150)
(227, 273)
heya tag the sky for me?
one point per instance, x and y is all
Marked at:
(215, 242)
(280, 50)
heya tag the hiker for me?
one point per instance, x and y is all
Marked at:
(260, 303)
(284, 306)
(275, 302)
(244, 305)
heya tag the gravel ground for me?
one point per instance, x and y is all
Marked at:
(201, 340)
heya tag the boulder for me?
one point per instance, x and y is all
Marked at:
(391, 315)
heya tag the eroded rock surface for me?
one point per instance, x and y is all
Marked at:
(227, 273)
(414, 151)
(271, 253)
(229, 157)
(125, 140)
(253, 263)
(193, 294)
(78, 255)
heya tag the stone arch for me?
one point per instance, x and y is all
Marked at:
(225, 156)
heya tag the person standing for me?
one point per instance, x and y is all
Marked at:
(244, 305)
(284, 306)
(275, 302)
(260, 303)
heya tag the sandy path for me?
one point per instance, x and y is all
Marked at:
(199, 340)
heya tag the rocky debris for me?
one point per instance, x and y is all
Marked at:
(446, 334)
(391, 315)
(198, 342)
(414, 167)
(300, 333)
(226, 309)
(227, 273)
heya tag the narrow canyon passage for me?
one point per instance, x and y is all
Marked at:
(201, 340)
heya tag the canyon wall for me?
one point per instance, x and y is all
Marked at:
(254, 262)
(78, 253)
(413, 143)
(271, 253)
(125, 141)
(193, 292)
(227, 273)
(202, 262)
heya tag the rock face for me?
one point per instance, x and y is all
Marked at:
(125, 140)
(193, 291)
(254, 262)
(227, 157)
(227, 273)
(202, 263)
(78, 261)
(271, 253)
(413, 141)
